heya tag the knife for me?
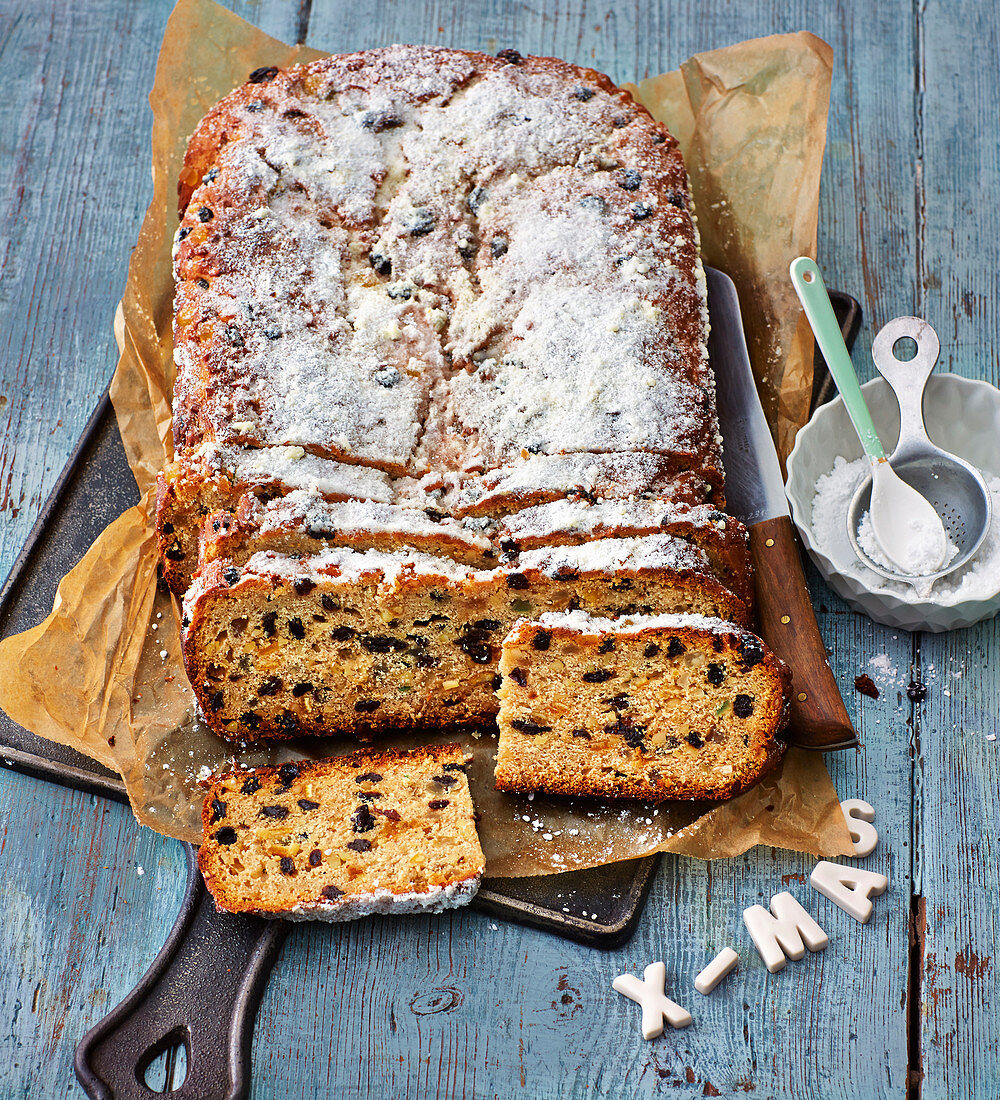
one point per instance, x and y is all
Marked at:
(755, 494)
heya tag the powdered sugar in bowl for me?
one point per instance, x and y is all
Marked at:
(963, 416)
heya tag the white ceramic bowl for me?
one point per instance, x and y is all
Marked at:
(962, 416)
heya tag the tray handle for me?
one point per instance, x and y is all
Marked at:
(202, 991)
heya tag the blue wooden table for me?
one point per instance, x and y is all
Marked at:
(463, 1006)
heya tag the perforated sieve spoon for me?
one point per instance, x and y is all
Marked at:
(906, 525)
(957, 490)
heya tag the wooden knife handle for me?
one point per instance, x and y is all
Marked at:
(788, 624)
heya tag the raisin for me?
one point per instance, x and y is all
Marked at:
(302, 688)
(271, 686)
(444, 780)
(715, 674)
(330, 891)
(250, 719)
(658, 138)
(743, 706)
(651, 650)
(425, 660)
(216, 702)
(607, 645)
(438, 803)
(295, 628)
(675, 647)
(273, 333)
(377, 121)
(477, 196)
(279, 813)
(174, 552)
(916, 692)
(473, 644)
(287, 865)
(498, 247)
(168, 528)
(620, 121)
(226, 835)
(512, 57)
(269, 622)
(185, 232)
(341, 633)
(287, 724)
(621, 584)
(315, 857)
(694, 739)
(369, 796)
(751, 650)
(263, 75)
(487, 624)
(401, 292)
(866, 685)
(368, 777)
(496, 681)
(362, 820)
(205, 215)
(519, 676)
(327, 603)
(583, 93)
(255, 105)
(517, 581)
(641, 211)
(598, 676)
(302, 586)
(231, 575)
(381, 264)
(581, 733)
(524, 725)
(717, 643)
(678, 199)
(618, 702)
(287, 773)
(542, 639)
(307, 804)
(390, 815)
(422, 222)
(360, 845)
(234, 336)
(630, 179)
(203, 283)
(218, 811)
(367, 706)
(381, 643)
(251, 785)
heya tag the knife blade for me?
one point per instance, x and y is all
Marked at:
(755, 494)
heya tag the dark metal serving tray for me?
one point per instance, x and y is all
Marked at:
(203, 988)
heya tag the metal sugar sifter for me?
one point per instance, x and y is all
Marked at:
(954, 487)
(926, 511)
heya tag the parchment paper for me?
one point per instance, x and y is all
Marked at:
(103, 672)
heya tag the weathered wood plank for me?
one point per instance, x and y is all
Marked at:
(81, 923)
(959, 770)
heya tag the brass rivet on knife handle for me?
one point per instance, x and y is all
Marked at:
(819, 719)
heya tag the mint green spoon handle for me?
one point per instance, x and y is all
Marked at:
(815, 301)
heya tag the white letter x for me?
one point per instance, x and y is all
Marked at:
(649, 994)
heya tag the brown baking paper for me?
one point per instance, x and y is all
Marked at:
(103, 673)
